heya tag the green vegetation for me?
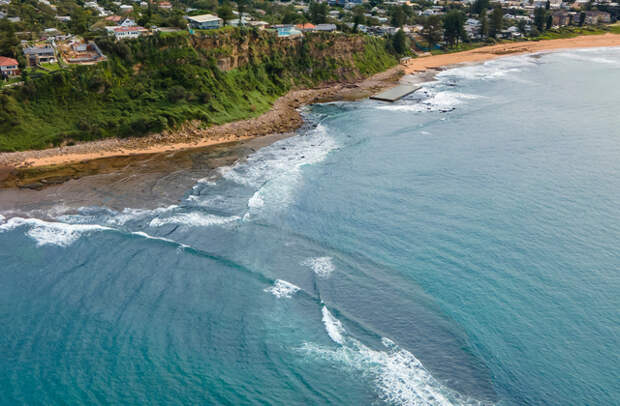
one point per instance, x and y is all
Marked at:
(570, 32)
(159, 82)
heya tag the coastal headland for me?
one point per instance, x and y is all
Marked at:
(282, 117)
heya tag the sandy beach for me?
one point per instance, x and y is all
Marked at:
(284, 116)
(515, 48)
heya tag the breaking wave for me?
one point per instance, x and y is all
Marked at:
(490, 70)
(333, 326)
(441, 101)
(194, 219)
(51, 233)
(321, 266)
(400, 377)
(274, 172)
(282, 289)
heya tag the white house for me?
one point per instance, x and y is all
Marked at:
(127, 32)
(205, 21)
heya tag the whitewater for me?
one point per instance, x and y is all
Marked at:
(457, 247)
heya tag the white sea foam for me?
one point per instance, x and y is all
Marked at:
(321, 266)
(138, 214)
(256, 201)
(51, 233)
(437, 101)
(91, 215)
(333, 326)
(274, 172)
(489, 70)
(400, 377)
(195, 219)
(282, 289)
(152, 237)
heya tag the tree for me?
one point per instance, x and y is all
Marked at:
(8, 39)
(432, 30)
(539, 18)
(547, 5)
(497, 21)
(582, 18)
(454, 27)
(397, 17)
(241, 6)
(480, 5)
(358, 17)
(399, 42)
(484, 24)
(318, 12)
(549, 21)
(225, 12)
(292, 17)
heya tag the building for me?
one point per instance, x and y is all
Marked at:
(40, 54)
(127, 22)
(597, 17)
(205, 22)
(8, 67)
(325, 27)
(305, 27)
(561, 18)
(127, 32)
(165, 5)
(115, 19)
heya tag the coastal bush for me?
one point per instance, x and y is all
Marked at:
(158, 82)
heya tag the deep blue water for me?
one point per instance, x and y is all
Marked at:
(458, 247)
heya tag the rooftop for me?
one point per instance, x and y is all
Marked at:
(4, 61)
(203, 18)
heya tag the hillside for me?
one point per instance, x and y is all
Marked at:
(161, 81)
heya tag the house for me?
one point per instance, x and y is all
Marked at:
(127, 22)
(205, 22)
(39, 54)
(127, 32)
(561, 18)
(126, 8)
(325, 27)
(8, 67)
(77, 51)
(236, 22)
(64, 19)
(115, 19)
(261, 25)
(597, 17)
(305, 27)
(165, 5)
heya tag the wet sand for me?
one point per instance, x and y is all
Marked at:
(141, 181)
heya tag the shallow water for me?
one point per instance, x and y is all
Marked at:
(457, 247)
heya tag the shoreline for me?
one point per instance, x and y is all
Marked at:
(490, 52)
(283, 117)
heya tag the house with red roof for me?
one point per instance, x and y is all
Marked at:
(305, 27)
(8, 67)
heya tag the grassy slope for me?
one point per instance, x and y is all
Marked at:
(159, 82)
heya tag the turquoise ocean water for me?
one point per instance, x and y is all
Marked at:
(461, 246)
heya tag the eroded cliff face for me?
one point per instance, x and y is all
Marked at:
(234, 49)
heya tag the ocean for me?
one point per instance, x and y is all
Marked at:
(458, 247)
